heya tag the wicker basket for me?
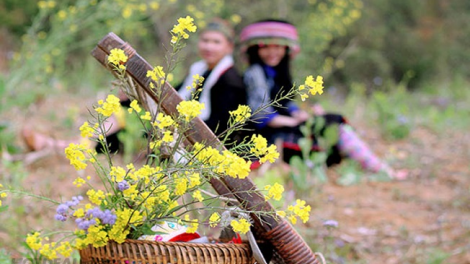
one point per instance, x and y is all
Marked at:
(150, 252)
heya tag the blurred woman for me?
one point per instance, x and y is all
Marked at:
(223, 89)
(270, 45)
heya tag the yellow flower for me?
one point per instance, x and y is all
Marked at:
(86, 130)
(79, 182)
(109, 107)
(316, 86)
(79, 213)
(193, 225)
(214, 219)
(117, 56)
(184, 24)
(62, 14)
(234, 166)
(48, 251)
(95, 197)
(194, 180)
(146, 116)
(126, 12)
(157, 74)
(34, 241)
(167, 137)
(134, 106)
(65, 249)
(299, 210)
(271, 154)
(190, 109)
(242, 114)
(198, 196)
(260, 148)
(97, 236)
(74, 153)
(163, 121)
(117, 174)
(181, 185)
(281, 213)
(274, 191)
(241, 226)
(260, 145)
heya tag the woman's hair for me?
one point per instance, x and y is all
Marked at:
(283, 76)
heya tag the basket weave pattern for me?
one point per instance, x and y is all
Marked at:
(150, 252)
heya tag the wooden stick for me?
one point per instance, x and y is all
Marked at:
(286, 241)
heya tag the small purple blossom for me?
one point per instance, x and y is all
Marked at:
(108, 217)
(330, 223)
(122, 185)
(62, 209)
(60, 217)
(105, 217)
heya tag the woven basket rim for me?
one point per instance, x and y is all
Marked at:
(163, 252)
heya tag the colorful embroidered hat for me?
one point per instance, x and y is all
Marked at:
(270, 32)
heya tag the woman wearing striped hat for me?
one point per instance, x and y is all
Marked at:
(269, 46)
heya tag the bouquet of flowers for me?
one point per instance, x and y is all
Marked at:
(170, 185)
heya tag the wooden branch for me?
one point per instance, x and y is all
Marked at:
(285, 240)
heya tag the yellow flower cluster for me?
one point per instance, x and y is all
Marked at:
(240, 226)
(261, 150)
(275, 191)
(46, 4)
(163, 121)
(179, 30)
(75, 153)
(214, 219)
(181, 185)
(117, 57)
(134, 106)
(157, 75)
(110, 106)
(241, 115)
(49, 250)
(313, 86)
(96, 197)
(190, 109)
(79, 182)
(226, 163)
(298, 210)
(234, 166)
(86, 130)
(193, 224)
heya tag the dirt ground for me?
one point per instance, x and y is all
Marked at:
(411, 221)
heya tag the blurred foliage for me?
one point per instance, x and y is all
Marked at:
(395, 38)
(373, 42)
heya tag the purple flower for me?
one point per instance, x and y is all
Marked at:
(62, 209)
(60, 217)
(330, 223)
(108, 217)
(123, 185)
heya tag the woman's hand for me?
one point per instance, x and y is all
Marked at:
(300, 115)
(283, 121)
(318, 110)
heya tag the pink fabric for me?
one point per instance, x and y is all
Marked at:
(269, 29)
(351, 145)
